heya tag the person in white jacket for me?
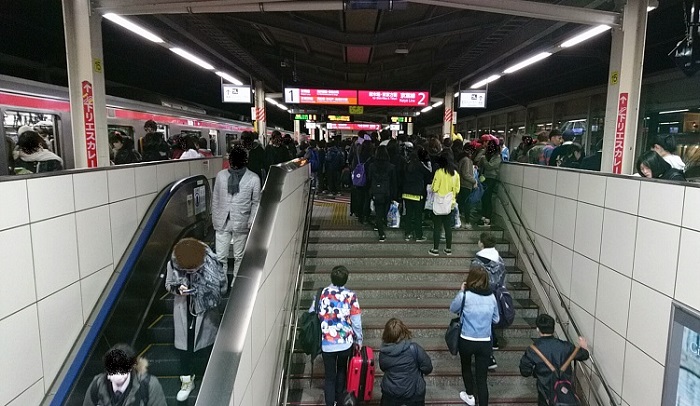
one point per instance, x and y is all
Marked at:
(665, 146)
(235, 200)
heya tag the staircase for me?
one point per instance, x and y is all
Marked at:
(399, 279)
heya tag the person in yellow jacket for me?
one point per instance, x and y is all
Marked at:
(445, 181)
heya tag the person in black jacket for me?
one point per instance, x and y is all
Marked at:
(652, 165)
(256, 155)
(123, 147)
(382, 187)
(416, 176)
(556, 351)
(404, 363)
(276, 152)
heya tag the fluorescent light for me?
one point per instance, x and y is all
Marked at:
(456, 94)
(528, 61)
(577, 120)
(485, 81)
(585, 35)
(282, 106)
(229, 78)
(417, 113)
(438, 104)
(271, 101)
(136, 29)
(426, 109)
(670, 123)
(673, 111)
(192, 58)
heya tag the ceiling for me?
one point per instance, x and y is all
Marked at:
(438, 45)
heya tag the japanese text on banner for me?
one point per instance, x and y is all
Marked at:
(89, 121)
(620, 126)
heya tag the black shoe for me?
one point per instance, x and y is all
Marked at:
(382, 238)
(407, 237)
(493, 365)
(421, 239)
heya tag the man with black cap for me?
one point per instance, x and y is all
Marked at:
(235, 199)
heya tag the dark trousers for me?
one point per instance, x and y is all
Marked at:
(413, 220)
(388, 400)
(336, 366)
(193, 363)
(487, 199)
(469, 211)
(439, 223)
(333, 181)
(359, 202)
(381, 209)
(481, 350)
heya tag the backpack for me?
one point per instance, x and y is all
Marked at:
(562, 392)
(310, 334)
(506, 311)
(334, 159)
(313, 160)
(381, 184)
(442, 205)
(142, 396)
(359, 178)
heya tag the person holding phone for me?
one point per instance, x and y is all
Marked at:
(195, 278)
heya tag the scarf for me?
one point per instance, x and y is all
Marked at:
(234, 179)
(207, 279)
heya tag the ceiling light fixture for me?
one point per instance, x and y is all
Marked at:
(590, 33)
(426, 109)
(194, 59)
(456, 95)
(485, 81)
(230, 78)
(271, 101)
(438, 104)
(136, 29)
(528, 61)
(282, 106)
(673, 111)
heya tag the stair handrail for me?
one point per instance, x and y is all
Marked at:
(509, 202)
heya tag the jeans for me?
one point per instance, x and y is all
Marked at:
(442, 222)
(336, 366)
(381, 209)
(487, 199)
(414, 217)
(224, 239)
(481, 350)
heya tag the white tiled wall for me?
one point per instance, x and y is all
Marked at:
(622, 250)
(60, 237)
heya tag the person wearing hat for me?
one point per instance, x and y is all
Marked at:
(124, 382)
(194, 277)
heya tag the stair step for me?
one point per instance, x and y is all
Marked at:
(398, 245)
(397, 234)
(391, 274)
(421, 308)
(406, 289)
(438, 343)
(373, 327)
(387, 258)
(163, 359)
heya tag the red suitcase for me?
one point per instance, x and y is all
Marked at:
(360, 380)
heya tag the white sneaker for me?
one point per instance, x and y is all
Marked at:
(186, 388)
(468, 399)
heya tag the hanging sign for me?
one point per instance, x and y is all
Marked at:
(620, 127)
(472, 99)
(320, 96)
(354, 126)
(335, 117)
(356, 110)
(235, 94)
(89, 121)
(396, 98)
(304, 117)
(395, 119)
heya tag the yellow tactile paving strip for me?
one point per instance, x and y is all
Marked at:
(332, 212)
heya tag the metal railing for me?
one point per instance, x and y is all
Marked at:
(506, 201)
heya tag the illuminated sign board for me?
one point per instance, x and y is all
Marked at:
(394, 98)
(472, 99)
(320, 96)
(354, 126)
(333, 117)
(235, 94)
(356, 109)
(395, 119)
(302, 117)
(395, 127)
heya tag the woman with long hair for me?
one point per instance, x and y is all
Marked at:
(382, 187)
(445, 183)
(479, 312)
(652, 165)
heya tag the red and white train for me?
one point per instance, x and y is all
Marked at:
(24, 102)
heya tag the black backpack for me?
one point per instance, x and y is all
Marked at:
(334, 159)
(381, 183)
(562, 392)
(310, 330)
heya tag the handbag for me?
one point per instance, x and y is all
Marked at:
(454, 330)
(443, 204)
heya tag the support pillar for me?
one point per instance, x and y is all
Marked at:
(86, 85)
(297, 130)
(624, 87)
(409, 129)
(260, 112)
(450, 113)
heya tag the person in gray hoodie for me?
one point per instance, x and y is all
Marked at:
(235, 200)
(404, 363)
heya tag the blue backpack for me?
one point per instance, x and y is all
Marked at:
(359, 178)
(313, 160)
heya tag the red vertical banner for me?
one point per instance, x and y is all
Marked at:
(620, 126)
(89, 120)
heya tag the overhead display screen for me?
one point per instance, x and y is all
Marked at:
(320, 96)
(393, 98)
(335, 117)
(235, 94)
(473, 99)
(354, 126)
(395, 119)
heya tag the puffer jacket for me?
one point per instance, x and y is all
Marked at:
(490, 167)
(240, 208)
(480, 311)
(404, 364)
(465, 168)
(100, 390)
(491, 261)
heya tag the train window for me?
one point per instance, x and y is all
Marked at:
(44, 123)
(165, 130)
(231, 138)
(198, 134)
(124, 129)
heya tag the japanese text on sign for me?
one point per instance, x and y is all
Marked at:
(392, 98)
(620, 126)
(89, 121)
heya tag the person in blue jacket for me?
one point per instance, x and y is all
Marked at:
(479, 312)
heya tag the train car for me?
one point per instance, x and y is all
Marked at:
(47, 109)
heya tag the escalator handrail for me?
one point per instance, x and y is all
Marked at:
(153, 215)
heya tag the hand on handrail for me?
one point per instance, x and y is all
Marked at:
(583, 343)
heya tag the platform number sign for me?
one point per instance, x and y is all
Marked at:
(291, 95)
(200, 200)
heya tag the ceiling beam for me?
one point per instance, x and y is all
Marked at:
(533, 9)
(214, 6)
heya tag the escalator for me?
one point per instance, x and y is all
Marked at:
(135, 308)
